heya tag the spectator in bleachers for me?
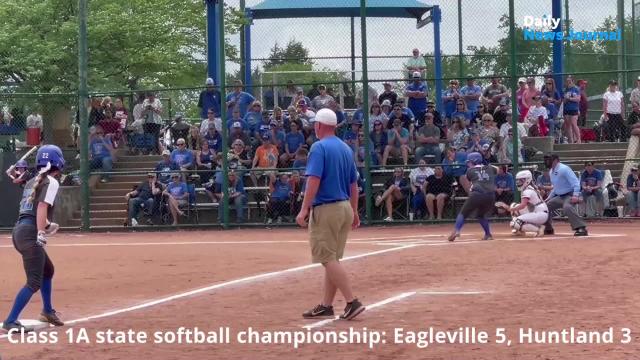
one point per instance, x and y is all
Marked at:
(428, 140)
(278, 117)
(237, 194)
(505, 185)
(633, 121)
(378, 138)
(313, 92)
(239, 99)
(488, 130)
(120, 112)
(458, 134)
(299, 96)
(375, 113)
(417, 92)
(522, 107)
(212, 118)
(471, 95)
(418, 177)
(455, 165)
(583, 106)
(439, 188)
(544, 184)
(488, 156)
(253, 118)
(437, 120)
(350, 135)
(179, 128)
(634, 98)
(297, 191)
(101, 153)
(550, 90)
(474, 144)
(528, 95)
(591, 185)
(386, 107)
(397, 113)
(152, 115)
(462, 113)
(278, 135)
(34, 121)
(165, 167)
(205, 161)
(398, 143)
(213, 138)
(177, 195)
(300, 161)
(239, 155)
(289, 93)
(96, 112)
(322, 100)
(416, 63)
(396, 189)
(494, 93)
(280, 193)
(505, 155)
(537, 118)
(137, 108)
(613, 112)
(450, 97)
(107, 103)
(552, 114)
(304, 113)
(571, 110)
(182, 156)
(293, 140)
(236, 133)
(502, 113)
(388, 94)
(633, 187)
(144, 197)
(111, 127)
(266, 157)
(209, 99)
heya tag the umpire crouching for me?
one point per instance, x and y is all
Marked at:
(565, 194)
(331, 196)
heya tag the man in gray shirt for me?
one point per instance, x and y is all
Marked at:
(321, 101)
(428, 140)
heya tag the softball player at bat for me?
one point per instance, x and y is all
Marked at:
(30, 237)
(532, 212)
(482, 195)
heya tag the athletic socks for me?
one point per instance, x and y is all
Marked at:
(459, 223)
(45, 291)
(485, 226)
(22, 299)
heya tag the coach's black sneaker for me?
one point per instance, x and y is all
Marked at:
(16, 325)
(353, 309)
(51, 318)
(318, 311)
(581, 232)
(549, 231)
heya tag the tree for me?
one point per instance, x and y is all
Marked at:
(132, 43)
(293, 53)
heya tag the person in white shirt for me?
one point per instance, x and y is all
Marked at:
(418, 178)
(536, 111)
(34, 120)
(532, 212)
(635, 94)
(152, 115)
(613, 112)
(416, 63)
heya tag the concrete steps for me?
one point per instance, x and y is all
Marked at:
(122, 185)
(99, 222)
(104, 214)
(108, 206)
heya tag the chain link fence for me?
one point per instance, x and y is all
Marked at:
(168, 148)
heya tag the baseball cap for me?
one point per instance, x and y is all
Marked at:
(522, 80)
(266, 136)
(175, 174)
(416, 74)
(273, 123)
(299, 89)
(326, 116)
(166, 152)
(180, 141)
(386, 83)
(486, 147)
(386, 102)
(302, 102)
(237, 124)
(551, 156)
(321, 86)
(151, 174)
(211, 125)
(209, 81)
(634, 168)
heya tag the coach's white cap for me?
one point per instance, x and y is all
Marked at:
(326, 116)
(416, 74)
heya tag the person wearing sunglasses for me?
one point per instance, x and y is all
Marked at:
(462, 112)
(182, 156)
(239, 99)
(471, 95)
(551, 91)
(417, 92)
(450, 98)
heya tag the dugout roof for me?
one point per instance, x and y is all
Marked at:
(280, 9)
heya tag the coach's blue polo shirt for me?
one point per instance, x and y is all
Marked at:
(331, 160)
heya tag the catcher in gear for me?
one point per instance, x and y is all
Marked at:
(532, 212)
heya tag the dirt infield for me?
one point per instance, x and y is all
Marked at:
(411, 278)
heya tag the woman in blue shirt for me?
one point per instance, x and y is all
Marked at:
(571, 111)
(455, 165)
(177, 195)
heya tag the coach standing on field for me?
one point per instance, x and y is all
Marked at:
(331, 198)
(565, 194)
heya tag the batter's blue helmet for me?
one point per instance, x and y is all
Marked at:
(21, 164)
(475, 158)
(50, 154)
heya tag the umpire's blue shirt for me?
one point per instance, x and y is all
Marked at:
(564, 181)
(331, 160)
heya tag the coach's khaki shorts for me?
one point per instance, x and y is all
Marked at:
(329, 227)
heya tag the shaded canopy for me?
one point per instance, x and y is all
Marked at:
(280, 9)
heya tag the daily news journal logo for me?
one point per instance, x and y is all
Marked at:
(547, 28)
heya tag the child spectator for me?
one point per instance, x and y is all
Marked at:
(205, 159)
(591, 183)
(102, 153)
(281, 192)
(292, 142)
(378, 140)
(505, 185)
(418, 177)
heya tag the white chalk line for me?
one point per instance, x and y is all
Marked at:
(393, 299)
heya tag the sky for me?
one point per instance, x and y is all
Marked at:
(397, 37)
